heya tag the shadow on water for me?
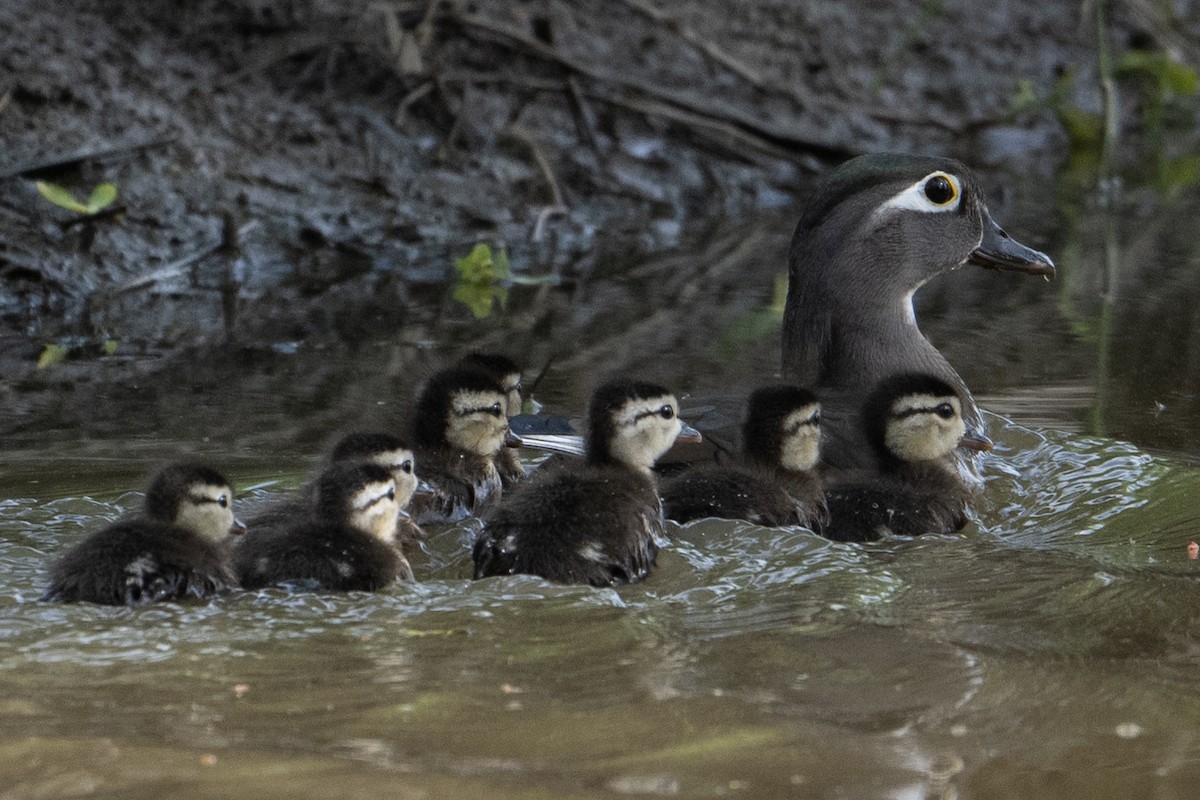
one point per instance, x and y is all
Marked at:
(1050, 648)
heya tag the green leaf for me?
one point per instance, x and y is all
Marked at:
(478, 297)
(52, 354)
(60, 197)
(102, 197)
(110, 347)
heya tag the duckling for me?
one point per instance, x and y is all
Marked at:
(600, 522)
(876, 230)
(505, 370)
(777, 483)
(915, 424)
(374, 447)
(394, 454)
(459, 428)
(348, 546)
(173, 551)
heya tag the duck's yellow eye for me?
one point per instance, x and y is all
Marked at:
(940, 189)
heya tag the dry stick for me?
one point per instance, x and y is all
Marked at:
(796, 92)
(5, 99)
(507, 35)
(76, 156)
(557, 207)
(710, 49)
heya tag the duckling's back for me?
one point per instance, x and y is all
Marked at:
(597, 526)
(140, 561)
(334, 556)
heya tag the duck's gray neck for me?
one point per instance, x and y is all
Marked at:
(850, 339)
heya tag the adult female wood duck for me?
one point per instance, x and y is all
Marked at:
(914, 424)
(776, 483)
(174, 550)
(598, 523)
(874, 232)
(348, 546)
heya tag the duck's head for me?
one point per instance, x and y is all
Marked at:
(882, 225)
(462, 407)
(194, 497)
(631, 423)
(361, 495)
(915, 418)
(503, 369)
(386, 450)
(783, 428)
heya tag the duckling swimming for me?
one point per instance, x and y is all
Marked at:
(173, 551)
(600, 522)
(876, 230)
(776, 484)
(348, 546)
(372, 447)
(506, 371)
(459, 428)
(915, 424)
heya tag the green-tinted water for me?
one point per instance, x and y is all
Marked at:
(1048, 650)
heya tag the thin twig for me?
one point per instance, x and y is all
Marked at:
(557, 206)
(5, 99)
(710, 49)
(526, 138)
(689, 109)
(60, 160)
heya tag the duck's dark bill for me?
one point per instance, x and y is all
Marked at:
(688, 435)
(1000, 251)
(512, 440)
(977, 442)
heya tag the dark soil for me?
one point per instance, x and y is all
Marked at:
(351, 151)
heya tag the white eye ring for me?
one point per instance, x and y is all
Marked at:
(914, 198)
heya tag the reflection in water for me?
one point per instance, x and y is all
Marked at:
(1050, 648)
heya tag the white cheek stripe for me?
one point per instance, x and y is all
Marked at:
(913, 198)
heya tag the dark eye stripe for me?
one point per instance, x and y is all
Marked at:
(494, 410)
(934, 410)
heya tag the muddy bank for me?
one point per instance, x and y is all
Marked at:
(359, 149)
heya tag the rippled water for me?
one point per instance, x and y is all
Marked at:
(1049, 648)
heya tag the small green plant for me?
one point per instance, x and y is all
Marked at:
(58, 352)
(484, 278)
(481, 280)
(101, 198)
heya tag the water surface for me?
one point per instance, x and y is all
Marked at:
(1050, 649)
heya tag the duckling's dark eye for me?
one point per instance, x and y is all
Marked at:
(944, 410)
(667, 412)
(940, 190)
(406, 466)
(223, 501)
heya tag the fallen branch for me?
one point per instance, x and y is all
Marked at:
(60, 160)
(689, 110)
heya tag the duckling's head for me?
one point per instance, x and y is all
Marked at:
(361, 495)
(503, 369)
(881, 225)
(783, 428)
(386, 450)
(462, 407)
(913, 418)
(194, 497)
(631, 423)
